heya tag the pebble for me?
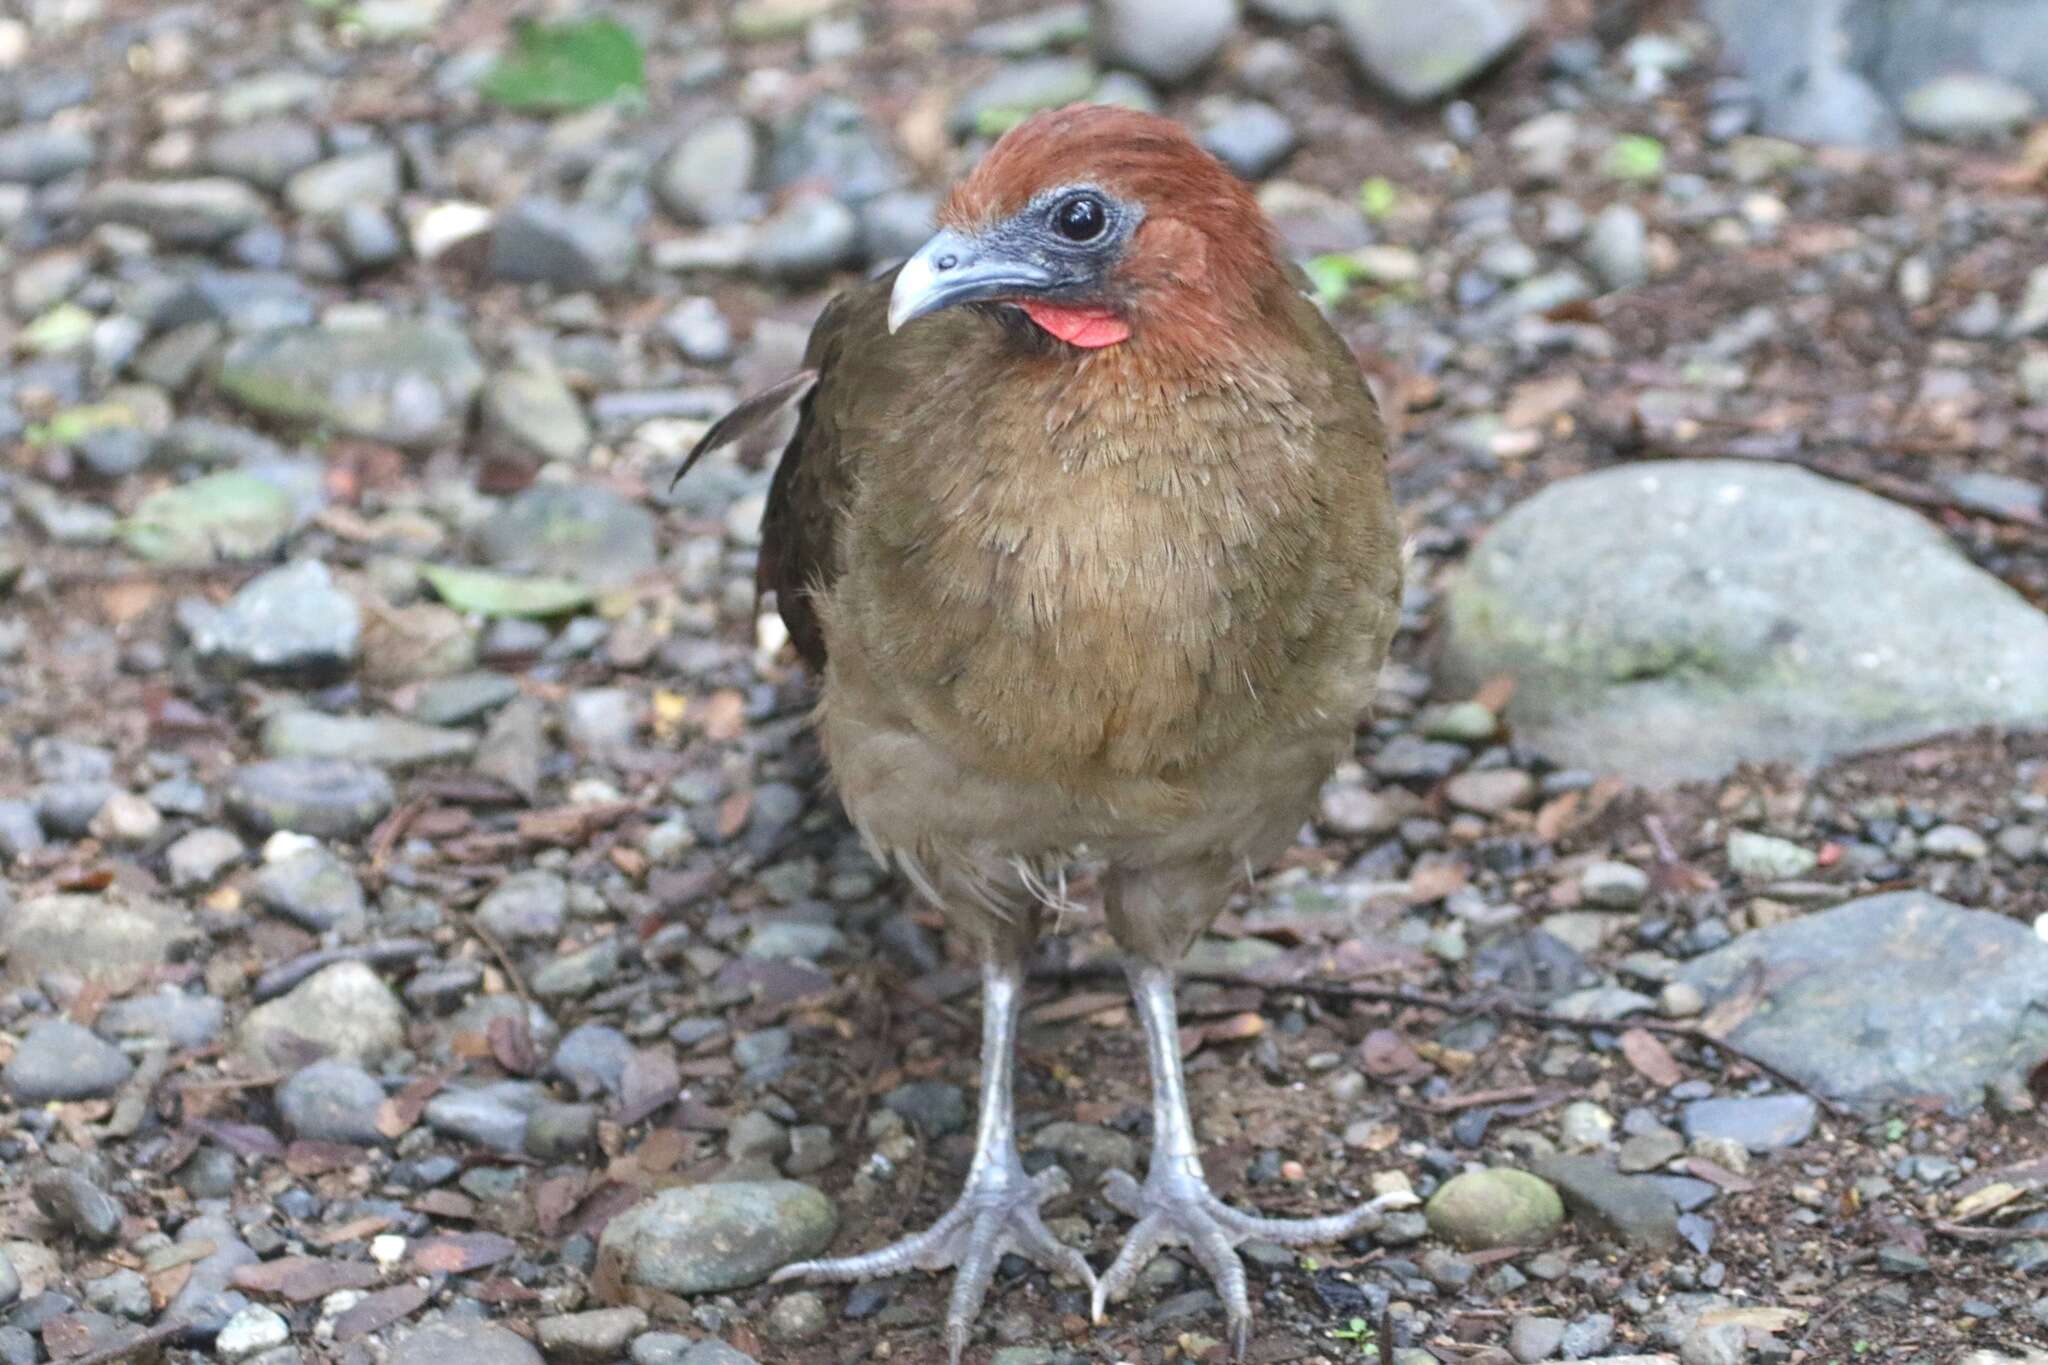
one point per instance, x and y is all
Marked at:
(569, 246)
(369, 176)
(332, 1101)
(1166, 41)
(1766, 858)
(58, 1060)
(123, 1294)
(708, 179)
(529, 906)
(345, 1009)
(1480, 1210)
(703, 1238)
(1613, 886)
(1419, 55)
(1634, 1209)
(1617, 248)
(326, 798)
(266, 153)
(196, 213)
(1534, 1339)
(1955, 841)
(1587, 1336)
(595, 1336)
(312, 888)
(1966, 106)
(936, 1108)
(1490, 791)
(492, 1116)
(77, 1206)
(806, 240)
(1250, 137)
(798, 1317)
(195, 860)
(1763, 1123)
(251, 1332)
(463, 1341)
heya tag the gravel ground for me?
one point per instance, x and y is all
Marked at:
(425, 933)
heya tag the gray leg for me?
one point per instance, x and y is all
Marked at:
(1174, 1204)
(997, 1213)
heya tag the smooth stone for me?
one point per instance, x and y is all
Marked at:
(569, 246)
(332, 1101)
(1889, 998)
(200, 213)
(708, 179)
(528, 906)
(1669, 620)
(408, 382)
(197, 859)
(1635, 1210)
(595, 1336)
(463, 1341)
(325, 798)
(59, 1060)
(1166, 41)
(1418, 55)
(292, 619)
(370, 176)
(266, 153)
(312, 888)
(582, 532)
(110, 939)
(345, 1010)
(167, 1015)
(389, 742)
(1480, 1210)
(530, 411)
(707, 1238)
(1762, 1123)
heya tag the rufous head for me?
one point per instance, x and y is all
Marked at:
(1103, 225)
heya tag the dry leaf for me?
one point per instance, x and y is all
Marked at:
(379, 1310)
(302, 1279)
(458, 1253)
(1650, 1057)
(1992, 1197)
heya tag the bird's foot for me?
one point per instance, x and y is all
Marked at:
(1176, 1206)
(996, 1214)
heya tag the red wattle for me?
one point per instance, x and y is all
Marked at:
(1089, 328)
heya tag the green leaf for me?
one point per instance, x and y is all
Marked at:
(1333, 275)
(498, 594)
(1377, 197)
(1635, 157)
(229, 515)
(571, 65)
(63, 329)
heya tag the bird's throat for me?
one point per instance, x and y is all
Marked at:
(1089, 328)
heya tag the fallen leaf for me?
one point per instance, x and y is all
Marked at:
(1386, 1055)
(1992, 1197)
(379, 1310)
(446, 1204)
(512, 1044)
(458, 1253)
(302, 1279)
(401, 1112)
(1079, 1005)
(308, 1156)
(651, 1079)
(1650, 1058)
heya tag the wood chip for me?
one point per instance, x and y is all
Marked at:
(302, 1279)
(1650, 1058)
(458, 1253)
(379, 1310)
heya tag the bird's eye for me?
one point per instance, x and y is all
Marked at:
(1080, 219)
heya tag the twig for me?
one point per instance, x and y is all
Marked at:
(1481, 1004)
(489, 940)
(1992, 1235)
(283, 977)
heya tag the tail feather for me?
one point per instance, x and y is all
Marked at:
(762, 407)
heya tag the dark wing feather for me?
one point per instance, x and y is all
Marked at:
(814, 479)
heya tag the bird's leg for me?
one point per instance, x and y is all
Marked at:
(1174, 1204)
(997, 1213)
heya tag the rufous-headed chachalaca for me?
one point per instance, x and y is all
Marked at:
(1085, 530)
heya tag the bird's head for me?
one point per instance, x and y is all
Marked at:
(1103, 226)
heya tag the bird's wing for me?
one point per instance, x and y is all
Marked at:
(814, 479)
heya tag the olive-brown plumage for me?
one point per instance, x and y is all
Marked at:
(1086, 529)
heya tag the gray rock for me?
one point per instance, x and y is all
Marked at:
(464, 1341)
(592, 1058)
(1087, 1150)
(1012, 92)
(167, 1015)
(1967, 107)
(251, 1332)
(390, 742)
(332, 1101)
(367, 236)
(1618, 247)
(1635, 1210)
(570, 246)
(709, 178)
(1162, 40)
(1613, 886)
(700, 331)
(194, 860)
(560, 1132)
(1494, 1208)
(312, 888)
(266, 153)
(123, 1293)
(493, 1116)
(369, 176)
(1767, 858)
(345, 1011)
(530, 411)
(197, 213)
(37, 153)
(1719, 1343)
(579, 531)
(233, 514)
(1534, 1339)
(714, 1353)
(704, 1238)
(111, 939)
(77, 1206)
(1033, 31)
(58, 1060)
(206, 1301)
(598, 1335)
(410, 383)
(1421, 54)
(1670, 620)
(527, 906)
(1588, 1336)
(830, 143)
(21, 830)
(1762, 1123)
(464, 698)
(936, 1108)
(1831, 106)
(580, 972)
(321, 797)
(1842, 1018)
(66, 809)
(805, 240)
(291, 619)
(896, 224)
(600, 718)
(1250, 137)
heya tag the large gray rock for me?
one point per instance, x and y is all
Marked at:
(343, 1011)
(110, 939)
(291, 619)
(179, 213)
(1889, 998)
(410, 383)
(1163, 40)
(1421, 52)
(702, 1238)
(1666, 621)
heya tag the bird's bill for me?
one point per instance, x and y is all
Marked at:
(952, 268)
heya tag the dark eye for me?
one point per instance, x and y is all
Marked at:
(1080, 219)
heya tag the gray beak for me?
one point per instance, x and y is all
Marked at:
(953, 268)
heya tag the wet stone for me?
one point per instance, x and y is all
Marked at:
(312, 888)
(58, 1060)
(703, 1238)
(77, 1206)
(1762, 1124)
(326, 798)
(332, 1101)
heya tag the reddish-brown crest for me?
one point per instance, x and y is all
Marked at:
(1203, 257)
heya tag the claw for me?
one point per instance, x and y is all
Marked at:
(995, 1215)
(1178, 1208)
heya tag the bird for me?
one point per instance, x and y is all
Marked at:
(1085, 532)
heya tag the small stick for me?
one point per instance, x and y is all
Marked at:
(283, 977)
